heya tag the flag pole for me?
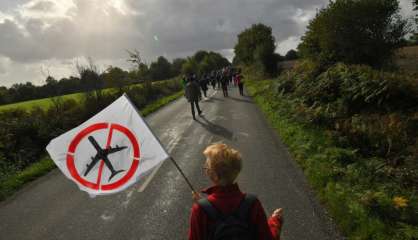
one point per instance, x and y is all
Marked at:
(172, 159)
(182, 173)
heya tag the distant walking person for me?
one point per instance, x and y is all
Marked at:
(192, 95)
(224, 82)
(213, 82)
(184, 82)
(238, 80)
(219, 79)
(204, 85)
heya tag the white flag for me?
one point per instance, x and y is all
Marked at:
(110, 151)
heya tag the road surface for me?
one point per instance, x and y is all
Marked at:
(158, 207)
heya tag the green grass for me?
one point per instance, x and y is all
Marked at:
(16, 181)
(160, 103)
(362, 208)
(43, 103)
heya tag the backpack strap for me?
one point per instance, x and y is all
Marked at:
(210, 210)
(244, 208)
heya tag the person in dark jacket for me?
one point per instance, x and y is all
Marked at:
(224, 83)
(192, 95)
(204, 85)
(222, 166)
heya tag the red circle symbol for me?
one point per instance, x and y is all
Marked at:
(86, 132)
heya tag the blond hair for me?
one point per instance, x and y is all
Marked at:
(225, 161)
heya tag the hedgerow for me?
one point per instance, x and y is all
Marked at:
(353, 131)
(25, 134)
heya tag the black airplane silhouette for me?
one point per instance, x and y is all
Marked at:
(102, 155)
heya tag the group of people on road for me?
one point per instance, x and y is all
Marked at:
(226, 212)
(221, 79)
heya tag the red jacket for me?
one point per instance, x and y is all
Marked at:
(237, 79)
(227, 199)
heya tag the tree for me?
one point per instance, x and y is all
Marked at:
(161, 69)
(190, 66)
(115, 77)
(206, 65)
(3, 95)
(355, 32)
(69, 85)
(200, 55)
(217, 61)
(23, 92)
(176, 66)
(291, 55)
(136, 60)
(90, 78)
(208, 61)
(256, 46)
(50, 88)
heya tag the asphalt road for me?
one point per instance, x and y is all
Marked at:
(158, 207)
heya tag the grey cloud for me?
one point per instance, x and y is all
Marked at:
(15, 44)
(3, 67)
(181, 26)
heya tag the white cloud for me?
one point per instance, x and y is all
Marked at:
(46, 9)
(228, 53)
(290, 43)
(120, 6)
(5, 16)
(303, 16)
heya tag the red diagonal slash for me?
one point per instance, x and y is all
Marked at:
(109, 140)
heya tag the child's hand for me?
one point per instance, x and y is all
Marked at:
(277, 214)
(196, 196)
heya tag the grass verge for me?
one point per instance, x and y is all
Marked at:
(16, 181)
(344, 181)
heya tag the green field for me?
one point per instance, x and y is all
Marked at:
(45, 103)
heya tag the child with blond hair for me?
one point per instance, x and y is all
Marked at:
(228, 213)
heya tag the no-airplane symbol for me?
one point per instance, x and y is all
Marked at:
(101, 157)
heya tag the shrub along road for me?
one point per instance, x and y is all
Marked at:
(52, 207)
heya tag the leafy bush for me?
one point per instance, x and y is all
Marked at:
(359, 87)
(372, 111)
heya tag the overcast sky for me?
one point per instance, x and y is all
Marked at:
(38, 37)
